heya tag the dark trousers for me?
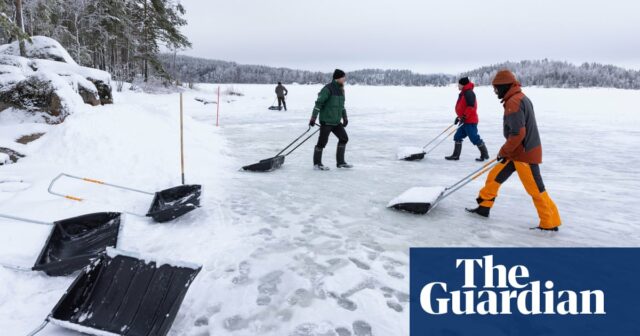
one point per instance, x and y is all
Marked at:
(282, 102)
(468, 130)
(337, 130)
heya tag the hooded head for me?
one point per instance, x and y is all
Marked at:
(279, 83)
(464, 81)
(502, 82)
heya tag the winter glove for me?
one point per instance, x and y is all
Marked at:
(501, 159)
(312, 122)
(345, 121)
(456, 120)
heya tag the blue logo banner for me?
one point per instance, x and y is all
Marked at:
(525, 291)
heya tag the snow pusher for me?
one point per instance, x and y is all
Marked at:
(417, 153)
(421, 200)
(277, 161)
(167, 204)
(122, 293)
(274, 107)
(74, 242)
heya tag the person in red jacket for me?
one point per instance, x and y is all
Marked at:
(467, 118)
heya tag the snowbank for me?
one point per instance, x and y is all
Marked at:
(49, 81)
(41, 47)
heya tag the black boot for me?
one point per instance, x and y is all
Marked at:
(480, 210)
(456, 152)
(484, 153)
(317, 159)
(340, 163)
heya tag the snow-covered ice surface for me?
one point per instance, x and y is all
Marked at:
(298, 251)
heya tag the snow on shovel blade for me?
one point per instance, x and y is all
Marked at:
(266, 165)
(174, 202)
(417, 200)
(410, 153)
(75, 241)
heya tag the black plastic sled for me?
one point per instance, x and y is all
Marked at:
(277, 161)
(174, 202)
(121, 294)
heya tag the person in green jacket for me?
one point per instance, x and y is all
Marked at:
(333, 119)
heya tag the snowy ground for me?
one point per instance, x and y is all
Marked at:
(296, 251)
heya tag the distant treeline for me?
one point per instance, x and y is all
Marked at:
(556, 74)
(200, 70)
(543, 73)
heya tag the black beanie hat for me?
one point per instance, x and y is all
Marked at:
(464, 81)
(338, 74)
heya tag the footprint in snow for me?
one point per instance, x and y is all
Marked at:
(362, 328)
(360, 264)
(268, 286)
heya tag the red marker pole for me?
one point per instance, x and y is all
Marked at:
(218, 108)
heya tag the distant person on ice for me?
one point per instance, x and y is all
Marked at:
(333, 119)
(281, 91)
(521, 153)
(467, 118)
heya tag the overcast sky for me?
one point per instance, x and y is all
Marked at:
(421, 35)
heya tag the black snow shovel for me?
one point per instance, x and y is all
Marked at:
(125, 294)
(167, 204)
(421, 200)
(74, 242)
(416, 153)
(277, 161)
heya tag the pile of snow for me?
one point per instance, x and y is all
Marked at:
(4, 158)
(51, 83)
(40, 47)
(418, 195)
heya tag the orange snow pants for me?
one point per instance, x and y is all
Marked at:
(531, 180)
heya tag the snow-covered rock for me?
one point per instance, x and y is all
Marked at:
(49, 82)
(40, 47)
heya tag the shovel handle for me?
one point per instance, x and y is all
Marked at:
(467, 179)
(441, 140)
(25, 220)
(438, 136)
(90, 180)
(294, 141)
(303, 141)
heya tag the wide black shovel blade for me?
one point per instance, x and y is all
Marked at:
(123, 294)
(410, 153)
(73, 242)
(174, 202)
(415, 157)
(266, 165)
(417, 200)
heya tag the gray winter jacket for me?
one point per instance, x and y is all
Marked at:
(281, 91)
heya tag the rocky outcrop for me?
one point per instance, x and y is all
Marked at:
(8, 156)
(48, 81)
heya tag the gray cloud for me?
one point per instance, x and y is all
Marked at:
(425, 36)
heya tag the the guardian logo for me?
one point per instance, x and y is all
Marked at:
(494, 289)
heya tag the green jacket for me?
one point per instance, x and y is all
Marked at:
(330, 104)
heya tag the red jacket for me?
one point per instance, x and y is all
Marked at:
(467, 106)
